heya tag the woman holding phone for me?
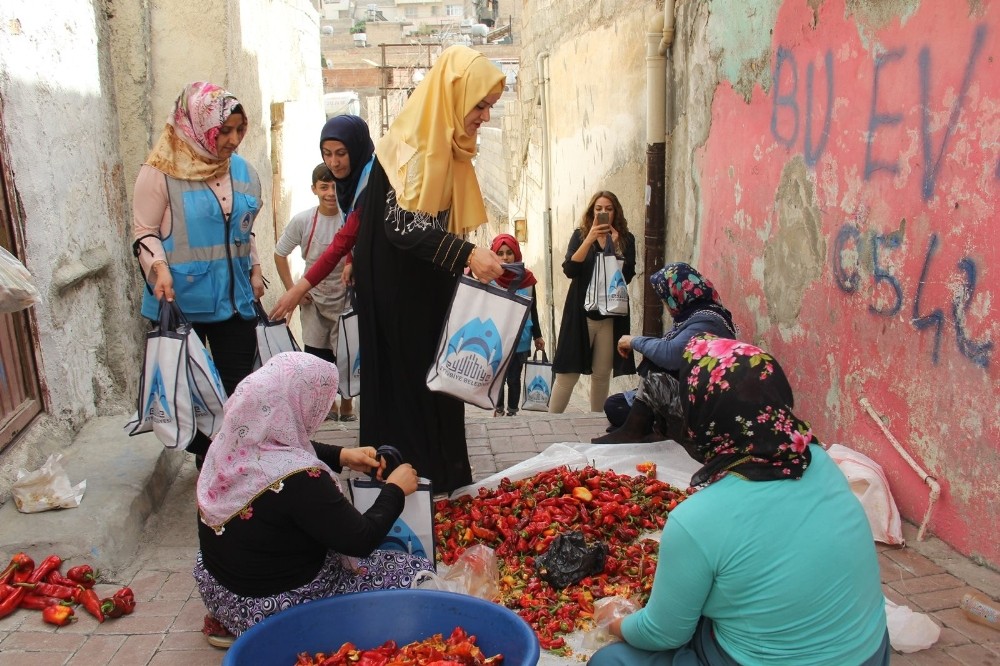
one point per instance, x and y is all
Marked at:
(586, 344)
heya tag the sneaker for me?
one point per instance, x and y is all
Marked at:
(224, 642)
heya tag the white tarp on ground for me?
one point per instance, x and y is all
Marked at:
(673, 464)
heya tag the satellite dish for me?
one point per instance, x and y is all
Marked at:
(327, 30)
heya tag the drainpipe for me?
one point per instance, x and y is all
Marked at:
(542, 69)
(934, 488)
(658, 40)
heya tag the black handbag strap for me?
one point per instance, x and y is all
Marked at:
(171, 316)
(534, 357)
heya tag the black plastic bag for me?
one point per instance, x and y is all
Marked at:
(570, 559)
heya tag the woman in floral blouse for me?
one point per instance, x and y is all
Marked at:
(771, 559)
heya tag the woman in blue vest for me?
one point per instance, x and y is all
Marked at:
(194, 206)
(508, 250)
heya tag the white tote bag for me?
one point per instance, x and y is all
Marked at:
(348, 354)
(607, 292)
(207, 393)
(413, 531)
(480, 335)
(165, 405)
(537, 389)
(273, 337)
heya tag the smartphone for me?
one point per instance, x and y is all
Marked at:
(603, 219)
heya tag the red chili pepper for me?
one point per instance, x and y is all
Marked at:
(57, 578)
(50, 590)
(58, 615)
(90, 602)
(20, 562)
(110, 609)
(50, 563)
(38, 601)
(83, 574)
(22, 570)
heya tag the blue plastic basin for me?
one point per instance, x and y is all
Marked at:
(369, 619)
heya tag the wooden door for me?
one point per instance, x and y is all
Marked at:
(20, 390)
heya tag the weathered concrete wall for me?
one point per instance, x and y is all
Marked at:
(596, 132)
(845, 193)
(62, 135)
(85, 92)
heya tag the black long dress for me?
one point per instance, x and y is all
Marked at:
(406, 266)
(573, 352)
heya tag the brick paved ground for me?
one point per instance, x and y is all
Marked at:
(164, 631)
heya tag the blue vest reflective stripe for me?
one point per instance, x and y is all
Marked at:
(209, 256)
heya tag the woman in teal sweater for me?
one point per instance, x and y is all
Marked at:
(772, 560)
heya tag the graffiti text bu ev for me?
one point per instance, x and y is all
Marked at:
(786, 110)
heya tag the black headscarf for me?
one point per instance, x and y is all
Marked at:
(738, 413)
(352, 131)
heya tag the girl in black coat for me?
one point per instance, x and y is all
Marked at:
(587, 339)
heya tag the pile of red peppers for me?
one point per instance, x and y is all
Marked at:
(459, 648)
(44, 588)
(520, 519)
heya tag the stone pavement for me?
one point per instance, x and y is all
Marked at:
(165, 630)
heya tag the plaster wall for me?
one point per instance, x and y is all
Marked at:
(843, 200)
(596, 134)
(62, 137)
(85, 92)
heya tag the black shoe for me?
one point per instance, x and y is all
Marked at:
(637, 427)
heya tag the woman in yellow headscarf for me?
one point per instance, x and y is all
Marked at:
(422, 197)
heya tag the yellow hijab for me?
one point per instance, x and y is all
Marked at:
(427, 154)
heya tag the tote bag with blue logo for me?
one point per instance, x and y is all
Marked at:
(480, 335)
(537, 383)
(348, 352)
(607, 292)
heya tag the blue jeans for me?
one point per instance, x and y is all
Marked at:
(701, 650)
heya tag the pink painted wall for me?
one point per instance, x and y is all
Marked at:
(849, 218)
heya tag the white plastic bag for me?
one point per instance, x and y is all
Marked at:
(909, 631)
(17, 290)
(46, 488)
(606, 611)
(869, 485)
(476, 573)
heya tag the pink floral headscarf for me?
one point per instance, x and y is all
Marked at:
(187, 149)
(265, 435)
(199, 112)
(738, 413)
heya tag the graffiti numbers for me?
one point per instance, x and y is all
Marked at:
(848, 279)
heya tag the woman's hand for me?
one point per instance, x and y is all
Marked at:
(289, 300)
(405, 477)
(485, 265)
(539, 344)
(361, 459)
(624, 345)
(599, 231)
(163, 287)
(347, 277)
(257, 282)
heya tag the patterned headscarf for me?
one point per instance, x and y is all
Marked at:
(187, 148)
(738, 413)
(352, 131)
(504, 280)
(265, 435)
(427, 154)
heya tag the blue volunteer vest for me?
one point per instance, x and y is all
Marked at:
(209, 256)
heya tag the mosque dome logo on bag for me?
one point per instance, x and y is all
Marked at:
(356, 368)
(474, 353)
(156, 404)
(538, 390)
(617, 290)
